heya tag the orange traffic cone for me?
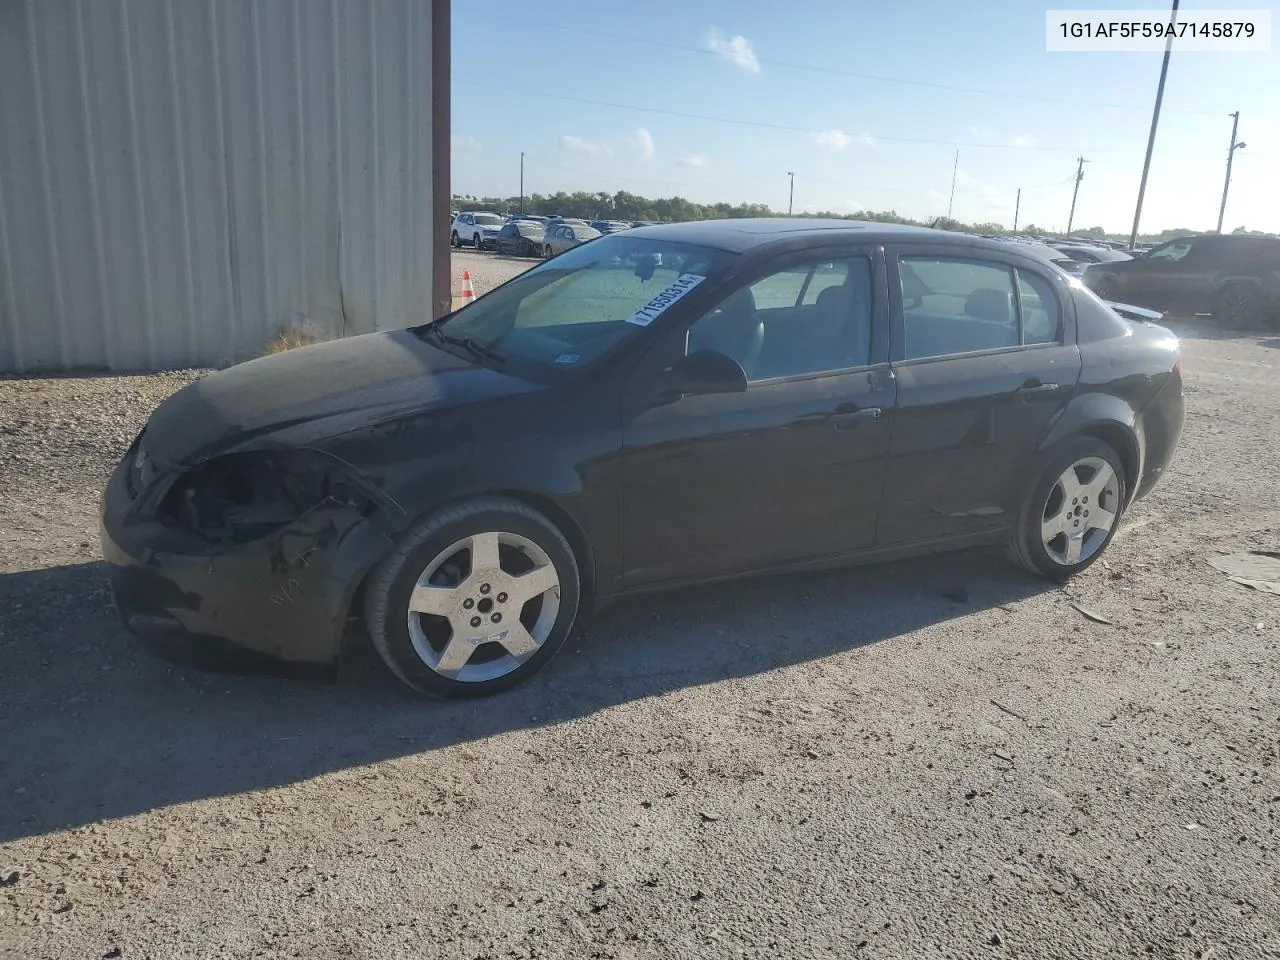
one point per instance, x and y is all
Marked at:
(468, 291)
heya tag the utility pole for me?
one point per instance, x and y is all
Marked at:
(1235, 122)
(1155, 121)
(1081, 161)
(522, 181)
(792, 198)
(1017, 205)
(954, 168)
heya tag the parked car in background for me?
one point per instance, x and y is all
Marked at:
(644, 223)
(778, 395)
(554, 222)
(609, 226)
(527, 216)
(560, 238)
(1234, 278)
(477, 228)
(1088, 253)
(521, 238)
(1045, 252)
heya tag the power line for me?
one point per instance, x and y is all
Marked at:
(833, 71)
(769, 126)
(669, 183)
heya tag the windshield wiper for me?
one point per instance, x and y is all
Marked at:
(469, 344)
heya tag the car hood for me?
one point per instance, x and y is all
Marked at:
(315, 393)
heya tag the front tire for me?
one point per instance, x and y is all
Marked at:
(476, 242)
(478, 598)
(454, 241)
(1073, 511)
(546, 252)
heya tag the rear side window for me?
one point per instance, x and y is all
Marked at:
(1039, 309)
(952, 306)
(956, 306)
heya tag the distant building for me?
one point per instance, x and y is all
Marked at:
(179, 181)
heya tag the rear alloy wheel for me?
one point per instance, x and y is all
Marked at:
(478, 598)
(1073, 512)
(1238, 308)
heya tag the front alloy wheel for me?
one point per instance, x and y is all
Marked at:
(485, 623)
(478, 598)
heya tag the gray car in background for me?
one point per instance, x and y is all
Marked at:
(566, 235)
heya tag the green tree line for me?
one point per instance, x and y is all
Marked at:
(630, 206)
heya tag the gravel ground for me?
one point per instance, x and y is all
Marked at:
(934, 758)
(487, 269)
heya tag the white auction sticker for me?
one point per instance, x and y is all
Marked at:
(658, 305)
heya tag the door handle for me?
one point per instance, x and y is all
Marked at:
(847, 420)
(1035, 386)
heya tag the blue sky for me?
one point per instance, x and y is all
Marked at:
(523, 73)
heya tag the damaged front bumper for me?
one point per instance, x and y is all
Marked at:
(276, 602)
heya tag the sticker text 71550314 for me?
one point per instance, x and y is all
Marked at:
(672, 294)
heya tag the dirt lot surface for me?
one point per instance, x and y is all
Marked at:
(935, 758)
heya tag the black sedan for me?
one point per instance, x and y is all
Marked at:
(521, 238)
(663, 406)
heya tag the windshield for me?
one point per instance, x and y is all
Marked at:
(1174, 250)
(488, 218)
(565, 314)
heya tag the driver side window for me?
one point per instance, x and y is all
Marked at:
(808, 318)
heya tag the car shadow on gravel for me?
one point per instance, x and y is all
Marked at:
(96, 728)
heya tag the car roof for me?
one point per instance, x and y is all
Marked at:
(740, 236)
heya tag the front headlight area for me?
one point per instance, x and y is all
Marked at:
(244, 497)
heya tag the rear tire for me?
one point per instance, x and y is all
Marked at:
(447, 633)
(1238, 307)
(1067, 524)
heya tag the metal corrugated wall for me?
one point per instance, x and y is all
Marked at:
(179, 179)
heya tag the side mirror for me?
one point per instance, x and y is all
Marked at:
(699, 374)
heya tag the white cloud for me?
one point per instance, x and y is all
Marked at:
(867, 139)
(693, 160)
(644, 140)
(831, 139)
(464, 141)
(991, 202)
(736, 49)
(988, 136)
(579, 145)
